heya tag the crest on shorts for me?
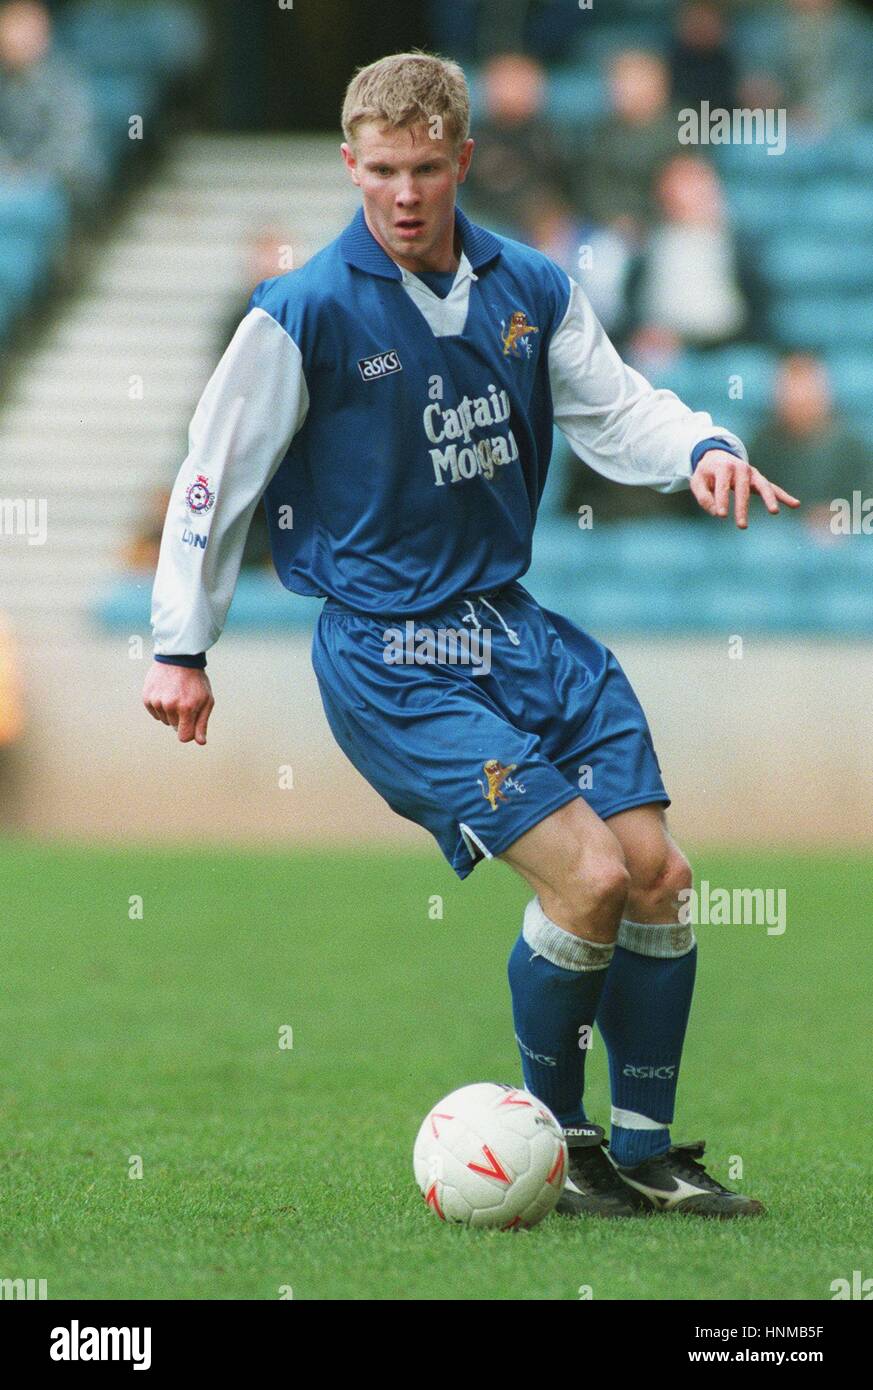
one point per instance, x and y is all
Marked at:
(516, 336)
(497, 776)
(199, 496)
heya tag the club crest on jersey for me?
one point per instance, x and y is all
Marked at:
(497, 776)
(516, 336)
(382, 364)
(199, 497)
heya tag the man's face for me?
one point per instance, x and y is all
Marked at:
(25, 34)
(408, 183)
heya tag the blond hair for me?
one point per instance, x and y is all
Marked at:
(406, 89)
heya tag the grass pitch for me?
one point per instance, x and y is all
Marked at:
(268, 1168)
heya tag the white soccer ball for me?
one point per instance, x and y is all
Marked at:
(490, 1155)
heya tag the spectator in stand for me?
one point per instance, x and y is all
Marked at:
(269, 251)
(623, 153)
(11, 694)
(516, 155)
(12, 725)
(687, 289)
(595, 256)
(472, 30)
(701, 61)
(812, 57)
(819, 455)
(46, 116)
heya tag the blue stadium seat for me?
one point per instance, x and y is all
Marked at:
(160, 37)
(852, 380)
(598, 42)
(756, 209)
(734, 607)
(710, 381)
(851, 563)
(751, 164)
(805, 159)
(775, 552)
(856, 145)
(841, 206)
(742, 367)
(559, 546)
(117, 97)
(839, 608)
(680, 374)
(22, 262)
(9, 310)
(793, 259)
(641, 577)
(862, 422)
(550, 502)
(822, 322)
(33, 207)
(575, 95)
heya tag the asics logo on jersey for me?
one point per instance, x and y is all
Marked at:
(382, 364)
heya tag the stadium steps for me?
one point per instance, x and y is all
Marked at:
(154, 306)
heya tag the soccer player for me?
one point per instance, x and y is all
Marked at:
(393, 402)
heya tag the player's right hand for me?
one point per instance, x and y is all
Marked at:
(180, 696)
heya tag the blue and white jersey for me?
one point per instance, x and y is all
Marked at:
(401, 441)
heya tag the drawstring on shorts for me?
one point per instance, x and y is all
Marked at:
(472, 617)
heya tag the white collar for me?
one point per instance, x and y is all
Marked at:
(464, 272)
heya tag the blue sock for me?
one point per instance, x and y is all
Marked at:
(556, 980)
(642, 1016)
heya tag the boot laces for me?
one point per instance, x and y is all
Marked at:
(684, 1160)
(594, 1170)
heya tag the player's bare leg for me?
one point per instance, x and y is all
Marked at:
(643, 1014)
(576, 866)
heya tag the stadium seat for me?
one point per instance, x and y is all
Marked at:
(840, 206)
(741, 368)
(9, 309)
(823, 322)
(792, 259)
(757, 209)
(22, 262)
(575, 95)
(856, 147)
(33, 207)
(161, 38)
(710, 381)
(851, 377)
(117, 97)
(752, 165)
(597, 42)
(754, 606)
(840, 609)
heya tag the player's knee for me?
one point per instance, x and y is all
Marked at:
(593, 896)
(656, 886)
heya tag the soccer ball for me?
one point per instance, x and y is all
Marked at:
(490, 1155)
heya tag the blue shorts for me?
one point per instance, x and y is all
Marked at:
(479, 743)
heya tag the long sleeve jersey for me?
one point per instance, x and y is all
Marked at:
(401, 441)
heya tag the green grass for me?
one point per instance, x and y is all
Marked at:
(265, 1167)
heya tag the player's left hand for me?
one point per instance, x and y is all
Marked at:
(719, 473)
